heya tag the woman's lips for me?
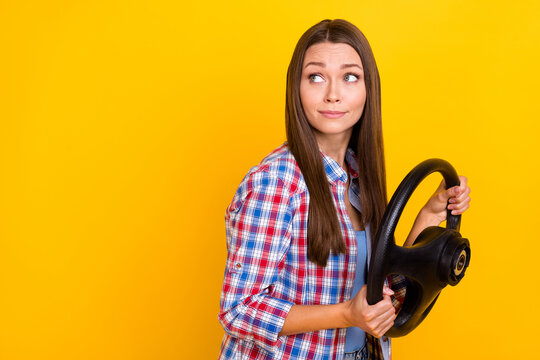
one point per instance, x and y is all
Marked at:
(332, 114)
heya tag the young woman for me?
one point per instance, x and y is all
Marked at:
(300, 226)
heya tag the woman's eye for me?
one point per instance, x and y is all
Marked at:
(351, 77)
(315, 78)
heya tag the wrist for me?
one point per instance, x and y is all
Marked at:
(427, 218)
(346, 314)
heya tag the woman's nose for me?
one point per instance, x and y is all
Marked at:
(332, 95)
(332, 99)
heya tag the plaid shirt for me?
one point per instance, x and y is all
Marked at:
(268, 270)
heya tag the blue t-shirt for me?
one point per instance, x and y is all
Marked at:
(355, 336)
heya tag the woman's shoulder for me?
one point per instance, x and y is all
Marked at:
(281, 166)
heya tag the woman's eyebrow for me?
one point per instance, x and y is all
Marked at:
(315, 63)
(344, 66)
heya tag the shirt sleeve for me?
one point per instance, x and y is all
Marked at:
(258, 235)
(398, 283)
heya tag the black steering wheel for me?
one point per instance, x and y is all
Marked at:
(438, 257)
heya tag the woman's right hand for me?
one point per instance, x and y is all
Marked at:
(375, 319)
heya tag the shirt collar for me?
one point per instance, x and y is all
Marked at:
(351, 159)
(334, 172)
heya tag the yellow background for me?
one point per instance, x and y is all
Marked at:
(126, 126)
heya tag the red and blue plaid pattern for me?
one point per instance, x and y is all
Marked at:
(268, 270)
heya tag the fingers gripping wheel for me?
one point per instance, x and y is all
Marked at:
(438, 257)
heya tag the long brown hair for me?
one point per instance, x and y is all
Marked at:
(324, 232)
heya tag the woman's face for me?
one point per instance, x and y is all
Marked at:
(332, 89)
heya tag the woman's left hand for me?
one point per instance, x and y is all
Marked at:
(457, 198)
(434, 212)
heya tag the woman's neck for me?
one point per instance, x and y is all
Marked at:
(334, 146)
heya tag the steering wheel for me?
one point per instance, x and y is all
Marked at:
(439, 256)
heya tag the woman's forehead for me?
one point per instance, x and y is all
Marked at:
(331, 53)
